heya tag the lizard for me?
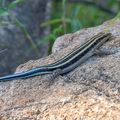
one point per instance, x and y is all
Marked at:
(67, 63)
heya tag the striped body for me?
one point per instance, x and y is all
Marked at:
(69, 62)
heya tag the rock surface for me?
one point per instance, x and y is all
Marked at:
(90, 92)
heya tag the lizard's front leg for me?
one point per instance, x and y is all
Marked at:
(103, 52)
(54, 75)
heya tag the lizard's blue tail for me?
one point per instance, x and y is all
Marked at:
(27, 74)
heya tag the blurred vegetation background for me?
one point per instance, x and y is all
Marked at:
(72, 15)
(66, 16)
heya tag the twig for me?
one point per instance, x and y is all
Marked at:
(23, 29)
(64, 15)
(3, 50)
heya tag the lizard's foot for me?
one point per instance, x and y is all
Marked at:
(52, 76)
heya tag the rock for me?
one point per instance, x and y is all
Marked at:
(91, 91)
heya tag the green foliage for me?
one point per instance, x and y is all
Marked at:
(66, 17)
(15, 3)
(3, 12)
(70, 17)
(7, 11)
(117, 16)
(54, 21)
